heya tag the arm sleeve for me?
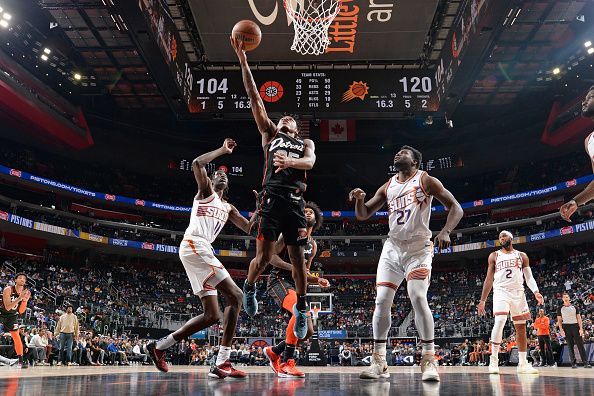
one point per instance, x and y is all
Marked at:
(530, 282)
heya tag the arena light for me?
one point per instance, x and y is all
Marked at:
(77, 76)
(556, 70)
(591, 50)
(47, 51)
(3, 23)
(588, 44)
(7, 16)
(44, 57)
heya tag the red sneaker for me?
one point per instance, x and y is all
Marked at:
(273, 359)
(225, 370)
(288, 370)
(158, 357)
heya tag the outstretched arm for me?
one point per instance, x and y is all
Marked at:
(240, 222)
(434, 187)
(364, 210)
(199, 163)
(487, 285)
(569, 208)
(265, 125)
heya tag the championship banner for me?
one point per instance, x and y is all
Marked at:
(51, 228)
(94, 238)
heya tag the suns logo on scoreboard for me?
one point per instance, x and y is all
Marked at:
(358, 89)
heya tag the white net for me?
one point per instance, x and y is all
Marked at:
(311, 20)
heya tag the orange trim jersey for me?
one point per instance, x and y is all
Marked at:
(208, 217)
(508, 271)
(409, 208)
(590, 146)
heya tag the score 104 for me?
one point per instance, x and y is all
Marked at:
(231, 170)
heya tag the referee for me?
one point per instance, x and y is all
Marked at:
(569, 321)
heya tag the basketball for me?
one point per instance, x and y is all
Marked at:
(249, 32)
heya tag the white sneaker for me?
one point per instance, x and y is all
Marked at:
(377, 369)
(429, 368)
(526, 368)
(494, 365)
(12, 362)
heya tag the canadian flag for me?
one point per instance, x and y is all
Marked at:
(337, 130)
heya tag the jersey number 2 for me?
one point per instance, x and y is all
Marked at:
(402, 216)
(508, 273)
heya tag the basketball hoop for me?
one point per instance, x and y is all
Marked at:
(311, 20)
(314, 313)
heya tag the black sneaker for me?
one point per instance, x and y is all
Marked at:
(587, 365)
(25, 364)
(574, 365)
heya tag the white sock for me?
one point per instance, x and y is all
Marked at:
(522, 357)
(428, 347)
(380, 347)
(495, 350)
(166, 342)
(223, 355)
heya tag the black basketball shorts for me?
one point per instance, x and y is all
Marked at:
(278, 288)
(9, 322)
(280, 214)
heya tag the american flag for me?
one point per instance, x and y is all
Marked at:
(304, 129)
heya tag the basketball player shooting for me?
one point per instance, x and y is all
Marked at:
(569, 208)
(282, 289)
(407, 253)
(207, 275)
(281, 206)
(506, 273)
(14, 303)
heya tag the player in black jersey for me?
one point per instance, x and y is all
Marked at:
(282, 289)
(280, 207)
(14, 303)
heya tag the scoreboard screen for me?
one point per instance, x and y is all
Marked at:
(317, 92)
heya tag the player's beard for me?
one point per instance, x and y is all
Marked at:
(311, 223)
(589, 112)
(506, 244)
(402, 165)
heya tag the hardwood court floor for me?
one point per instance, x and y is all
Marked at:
(184, 380)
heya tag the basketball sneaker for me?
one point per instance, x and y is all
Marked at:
(494, 365)
(250, 304)
(429, 368)
(273, 359)
(225, 370)
(12, 362)
(158, 357)
(300, 328)
(288, 370)
(377, 369)
(526, 368)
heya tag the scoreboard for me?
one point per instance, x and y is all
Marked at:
(319, 92)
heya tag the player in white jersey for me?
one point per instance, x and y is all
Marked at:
(508, 268)
(407, 253)
(210, 212)
(587, 195)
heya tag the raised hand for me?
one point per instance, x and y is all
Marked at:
(228, 145)
(357, 194)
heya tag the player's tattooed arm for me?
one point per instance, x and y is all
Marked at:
(487, 284)
(364, 210)
(282, 161)
(434, 187)
(265, 125)
(199, 167)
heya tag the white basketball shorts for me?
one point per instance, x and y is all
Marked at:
(204, 270)
(511, 302)
(404, 260)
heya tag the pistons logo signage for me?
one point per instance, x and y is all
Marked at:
(110, 197)
(271, 91)
(139, 202)
(15, 173)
